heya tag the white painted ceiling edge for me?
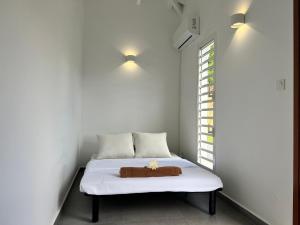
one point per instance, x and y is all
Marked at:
(176, 5)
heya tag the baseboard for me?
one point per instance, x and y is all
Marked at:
(258, 220)
(65, 197)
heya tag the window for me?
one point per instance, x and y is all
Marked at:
(206, 105)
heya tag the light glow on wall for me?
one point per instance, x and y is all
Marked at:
(242, 33)
(130, 66)
(243, 7)
(242, 38)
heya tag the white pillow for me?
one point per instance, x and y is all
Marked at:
(115, 146)
(148, 145)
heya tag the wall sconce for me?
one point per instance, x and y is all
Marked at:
(130, 58)
(237, 20)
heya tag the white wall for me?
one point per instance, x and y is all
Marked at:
(117, 98)
(253, 119)
(40, 83)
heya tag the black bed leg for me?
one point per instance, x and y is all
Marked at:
(212, 202)
(95, 210)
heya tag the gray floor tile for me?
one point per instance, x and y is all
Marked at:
(149, 209)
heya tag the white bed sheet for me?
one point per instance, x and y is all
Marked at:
(101, 177)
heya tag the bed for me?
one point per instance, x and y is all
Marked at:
(101, 177)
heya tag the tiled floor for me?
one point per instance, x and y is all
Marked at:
(149, 209)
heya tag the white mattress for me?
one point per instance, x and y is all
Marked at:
(101, 177)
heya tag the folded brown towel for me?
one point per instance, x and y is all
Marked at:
(146, 172)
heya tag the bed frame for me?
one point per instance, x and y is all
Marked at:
(211, 202)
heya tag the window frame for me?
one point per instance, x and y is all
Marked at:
(202, 45)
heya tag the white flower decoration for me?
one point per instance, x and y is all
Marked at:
(153, 165)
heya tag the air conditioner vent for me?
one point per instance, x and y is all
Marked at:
(187, 32)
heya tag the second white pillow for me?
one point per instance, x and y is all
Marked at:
(151, 145)
(115, 146)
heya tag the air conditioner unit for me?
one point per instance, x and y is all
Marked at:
(187, 32)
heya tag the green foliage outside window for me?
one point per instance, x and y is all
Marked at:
(210, 139)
